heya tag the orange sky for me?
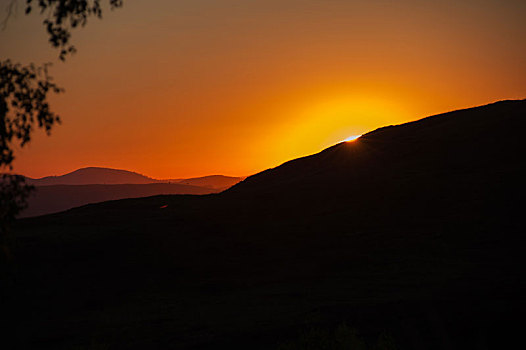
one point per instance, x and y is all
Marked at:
(188, 88)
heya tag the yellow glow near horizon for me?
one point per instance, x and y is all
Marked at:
(323, 123)
(236, 87)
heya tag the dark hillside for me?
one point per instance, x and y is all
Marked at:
(56, 198)
(415, 229)
(219, 182)
(478, 140)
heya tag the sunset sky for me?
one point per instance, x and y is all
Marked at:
(189, 88)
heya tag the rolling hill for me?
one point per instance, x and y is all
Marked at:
(56, 198)
(218, 182)
(476, 142)
(415, 230)
(108, 176)
(93, 176)
(94, 184)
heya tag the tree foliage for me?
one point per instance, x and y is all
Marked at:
(24, 96)
(24, 104)
(24, 92)
(65, 15)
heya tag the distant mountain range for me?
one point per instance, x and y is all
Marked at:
(95, 184)
(108, 176)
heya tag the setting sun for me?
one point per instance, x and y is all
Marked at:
(316, 122)
(352, 138)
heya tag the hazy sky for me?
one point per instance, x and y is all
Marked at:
(186, 88)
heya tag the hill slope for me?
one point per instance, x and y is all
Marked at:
(479, 141)
(55, 198)
(219, 182)
(414, 229)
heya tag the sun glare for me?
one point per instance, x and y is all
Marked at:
(352, 138)
(312, 124)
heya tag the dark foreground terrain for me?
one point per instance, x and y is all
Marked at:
(414, 230)
(56, 198)
(83, 186)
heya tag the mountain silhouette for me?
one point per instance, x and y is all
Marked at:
(109, 176)
(415, 230)
(94, 184)
(93, 176)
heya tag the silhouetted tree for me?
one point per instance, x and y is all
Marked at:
(24, 92)
(23, 104)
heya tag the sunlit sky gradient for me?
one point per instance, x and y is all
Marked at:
(187, 88)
